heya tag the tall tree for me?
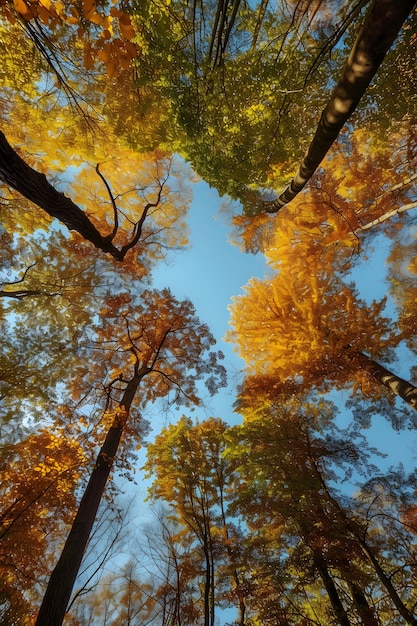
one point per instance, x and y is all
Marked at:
(312, 327)
(383, 21)
(192, 476)
(34, 186)
(39, 476)
(289, 453)
(362, 186)
(163, 340)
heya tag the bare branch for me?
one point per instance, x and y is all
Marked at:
(112, 200)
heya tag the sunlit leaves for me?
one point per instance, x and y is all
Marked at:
(39, 476)
(159, 336)
(107, 29)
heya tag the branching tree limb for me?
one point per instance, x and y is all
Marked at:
(382, 25)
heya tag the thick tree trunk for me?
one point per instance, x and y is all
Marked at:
(61, 582)
(35, 187)
(397, 385)
(382, 25)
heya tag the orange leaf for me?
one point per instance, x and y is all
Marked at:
(127, 30)
(96, 18)
(28, 12)
(105, 53)
(88, 8)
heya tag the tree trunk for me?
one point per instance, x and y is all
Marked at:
(397, 385)
(321, 566)
(365, 612)
(207, 583)
(405, 613)
(35, 187)
(382, 25)
(61, 582)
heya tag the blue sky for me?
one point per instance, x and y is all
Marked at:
(209, 274)
(213, 270)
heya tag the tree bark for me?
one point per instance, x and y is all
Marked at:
(365, 612)
(35, 187)
(380, 29)
(405, 613)
(394, 383)
(61, 582)
(321, 566)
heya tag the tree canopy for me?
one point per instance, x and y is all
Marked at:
(291, 504)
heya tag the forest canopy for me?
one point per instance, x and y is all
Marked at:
(124, 498)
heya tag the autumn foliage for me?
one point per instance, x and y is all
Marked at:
(289, 507)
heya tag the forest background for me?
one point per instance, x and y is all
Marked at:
(293, 510)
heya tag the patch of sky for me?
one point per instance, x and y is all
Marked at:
(209, 273)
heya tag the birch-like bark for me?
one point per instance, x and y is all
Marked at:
(386, 216)
(380, 29)
(391, 381)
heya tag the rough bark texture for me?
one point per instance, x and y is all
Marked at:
(397, 385)
(61, 582)
(380, 29)
(35, 187)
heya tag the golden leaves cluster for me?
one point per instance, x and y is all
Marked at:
(112, 42)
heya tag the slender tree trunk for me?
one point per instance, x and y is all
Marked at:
(394, 383)
(386, 581)
(382, 25)
(236, 577)
(386, 216)
(338, 608)
(365, 612)
(407, 614)
(207, 583)
(35, 187)
(61, 582)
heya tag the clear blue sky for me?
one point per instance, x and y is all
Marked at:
(209, 274)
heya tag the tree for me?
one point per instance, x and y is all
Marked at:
(121, 598)
(360, 189)
(39, 477)
(255, 62)
(162, 340)
(289, 451)
(192, 476)
(35, 187)
(104, 30)
(314, 328)
(382, 24)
